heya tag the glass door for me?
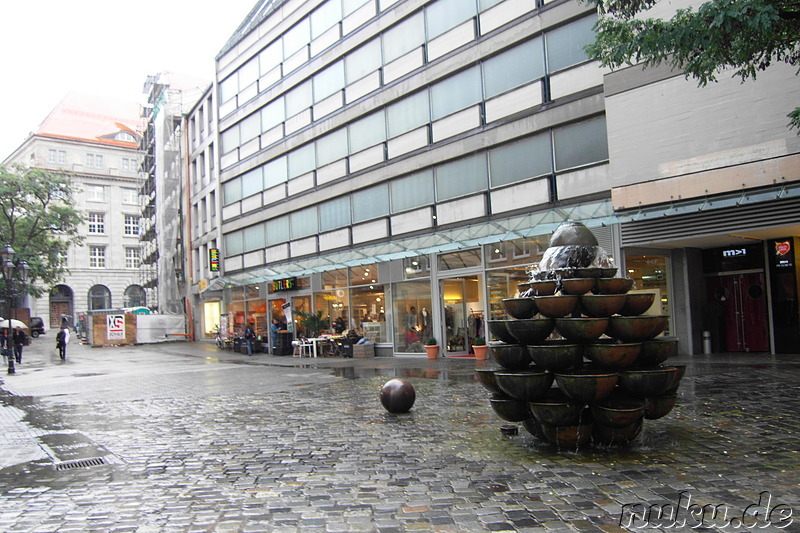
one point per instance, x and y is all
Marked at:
(462, 309)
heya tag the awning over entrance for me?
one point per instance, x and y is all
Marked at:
(757, 214)
(593, 214)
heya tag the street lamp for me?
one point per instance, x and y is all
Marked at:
(12, 272)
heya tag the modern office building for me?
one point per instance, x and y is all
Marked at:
(94, 139)
(400, 165)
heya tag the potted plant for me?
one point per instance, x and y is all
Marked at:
(480, 348)
(313, 323)
(432, 347)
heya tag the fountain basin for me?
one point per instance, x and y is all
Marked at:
(680, 371)
(602, 305)
(656, 407)
(642, 383)
(510, 356)
(636, 328)
(637, 303)
(656, 351)
(544, 288)
(587, 385)
(556, 355)
(520, 308)
(612, 285)
(618, 412)
(527, 385)
(612, 355)
(581, 329)
(613, 436)
(487, 379)
(556, 306)
(569, 437)
(531, 330)
(577, 286)
(499, 329)
(533, 427)
(556, 409)
(510, 409)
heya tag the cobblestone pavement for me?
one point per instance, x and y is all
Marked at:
(182, 437)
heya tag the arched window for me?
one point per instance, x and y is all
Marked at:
(135, 296)
(99, 298)
(61, 292)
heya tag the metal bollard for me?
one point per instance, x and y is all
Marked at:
(706, 342)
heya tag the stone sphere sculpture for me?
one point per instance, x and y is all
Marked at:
(398, 395)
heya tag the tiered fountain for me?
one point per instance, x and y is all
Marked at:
(572, 309)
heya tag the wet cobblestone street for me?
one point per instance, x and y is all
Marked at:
(192, 439)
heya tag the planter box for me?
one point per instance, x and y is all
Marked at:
(362, 351)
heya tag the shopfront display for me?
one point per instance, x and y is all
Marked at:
(211, 319)
(413, 320)
(650, 274)
(463, 313)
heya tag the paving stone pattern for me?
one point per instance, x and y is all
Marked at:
(194, 441)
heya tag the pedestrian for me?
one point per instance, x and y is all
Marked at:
(20, 340)
(62, 339)
(4, 342)
(249, 335)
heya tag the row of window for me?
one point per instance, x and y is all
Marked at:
(98, 193)
(100, 297)
(203, 210)
(198, 167)
(97, 224)
(97, 257)
(329, 23)
(523, 64)
(91, 160)
(516, 67)
(532, 157)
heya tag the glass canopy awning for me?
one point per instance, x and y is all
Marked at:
(543, 222)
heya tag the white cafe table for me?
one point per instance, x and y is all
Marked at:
(315, 342)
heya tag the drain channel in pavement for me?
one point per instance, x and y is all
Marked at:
(80, 463)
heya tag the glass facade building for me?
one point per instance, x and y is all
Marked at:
(405, 160)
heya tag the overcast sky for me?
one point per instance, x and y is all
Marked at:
(104, 47)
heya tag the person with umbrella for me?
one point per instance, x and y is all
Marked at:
(20, 340)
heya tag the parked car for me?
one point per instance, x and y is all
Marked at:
(36, 326)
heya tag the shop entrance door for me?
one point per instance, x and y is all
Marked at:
(462, 303)
(742, 303)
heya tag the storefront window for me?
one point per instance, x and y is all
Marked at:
(257, 316)
(211, 318)
(456, 260)
(369, 312)
(300, 303)
(463, 313)
(411, 306)
(335, 309)
(416, 267)
(650, 273)
(364, 275)
(334, 278)
(517, 252)
(503, 284)
(236, 318)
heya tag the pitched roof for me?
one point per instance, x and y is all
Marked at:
(92, 118)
